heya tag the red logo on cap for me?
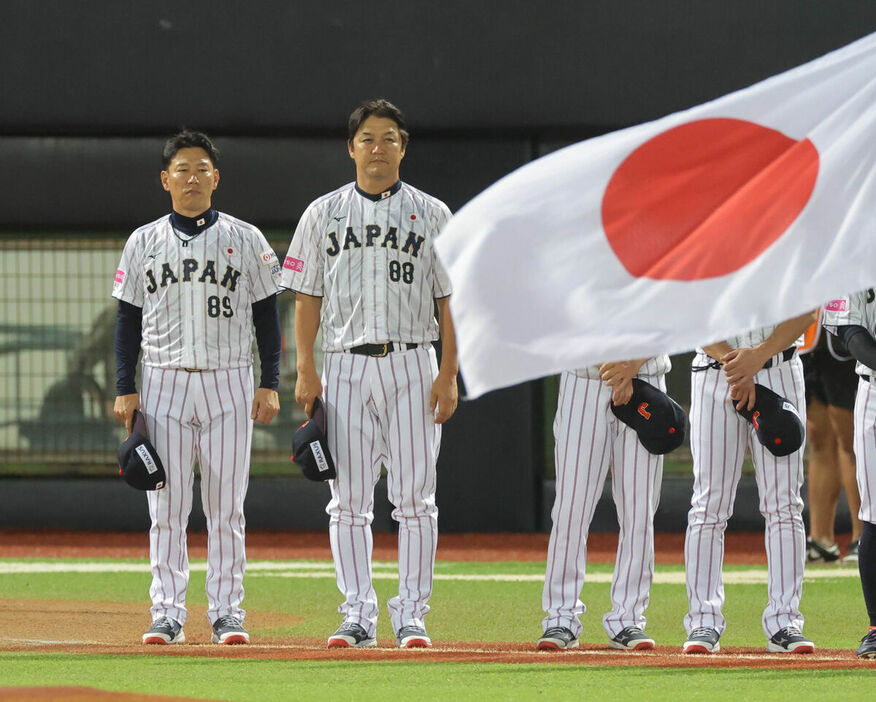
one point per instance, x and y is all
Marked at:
(754, 420)
(643, 410)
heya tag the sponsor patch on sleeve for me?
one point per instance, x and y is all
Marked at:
(836, 306)
(120, 276)
(293, 264)
(268, 257)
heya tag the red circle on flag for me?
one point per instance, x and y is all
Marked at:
(705, 198)
(230, 250)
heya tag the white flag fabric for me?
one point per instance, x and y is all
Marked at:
(738, 213)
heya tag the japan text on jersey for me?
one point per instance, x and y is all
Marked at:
(196, 293)
(372, 260)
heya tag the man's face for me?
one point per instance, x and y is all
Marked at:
(190, 179)
(377, 148)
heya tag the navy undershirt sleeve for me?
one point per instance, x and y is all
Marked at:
(859, 343)
(266, 319)
(129, 331)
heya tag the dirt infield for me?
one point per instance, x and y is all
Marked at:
(37, 626)
(741, 548)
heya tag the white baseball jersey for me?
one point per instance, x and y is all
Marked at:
(371, 259)
(590, 440)
(859, 309)
(196, 293)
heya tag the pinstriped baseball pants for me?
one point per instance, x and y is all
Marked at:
(378, 414)
(589, 440)
(865, 448)
(205, 418)
(719, 437)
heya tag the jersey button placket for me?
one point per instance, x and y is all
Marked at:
(380, 256)
(183, 296)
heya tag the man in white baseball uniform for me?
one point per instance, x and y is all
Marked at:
(853, 319)
(191, 286)
(589, 440)
(362, 263)
(723, 380)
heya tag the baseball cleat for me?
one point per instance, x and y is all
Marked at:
(351, 635)
(557, 638)
(164, 630)
(818, 553)
(229, 631)
(867, 649)
(790, 640)
(702, 640)
(632, 638)
(413, 637)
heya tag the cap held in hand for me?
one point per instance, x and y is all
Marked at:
(658, 420)
(310, 446)
(776, 422)
(139, 463)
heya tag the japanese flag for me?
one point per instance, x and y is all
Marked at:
(737, 213)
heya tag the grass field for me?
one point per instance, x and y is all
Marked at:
(492, 602)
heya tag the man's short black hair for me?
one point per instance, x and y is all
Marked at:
(377, 107)
(186, 139)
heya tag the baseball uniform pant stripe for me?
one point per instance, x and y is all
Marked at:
(588, 441)
(224, 485)
(201, 417)
(351, 507)
(865, 447)
(719, 437)
(378, 413)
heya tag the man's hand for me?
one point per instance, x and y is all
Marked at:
(265, 405)
(741, 365)
(444, 397)
(743, 394)
(619, 376)
(124, 407)
(307, 388)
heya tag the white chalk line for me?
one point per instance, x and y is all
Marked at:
(387, 571)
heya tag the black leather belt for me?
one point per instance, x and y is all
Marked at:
(378, 350)
(787, 355)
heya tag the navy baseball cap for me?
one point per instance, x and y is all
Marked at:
(776, 422)
(658, 420)
(139, 462)
(310, 446)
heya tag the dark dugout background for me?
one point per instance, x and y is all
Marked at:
(90, 90)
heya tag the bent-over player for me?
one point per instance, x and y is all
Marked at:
(853, 319)
(362, 263)
(723, 379)
(589, 440)
(190, 287)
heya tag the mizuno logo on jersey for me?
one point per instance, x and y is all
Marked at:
(190, 268)
(373, 234)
